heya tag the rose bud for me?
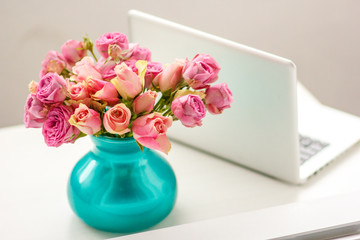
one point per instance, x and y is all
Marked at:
(86, 120)
(86, 68)
(150, 131)
(200, 71)
(57, 129)
(170, 77)
(73, 51)
(35, 112)
(102, 90)
(189, 109)
(53, 62)
(116, 38)
(116, 119)
(51, 89)
(126, 82)
(218, 98)
(145, 102)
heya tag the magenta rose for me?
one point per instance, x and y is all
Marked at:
(86, 120)
(189, 109)
(200, 71)
(51, 89)
(102, 44)
(140, 53)
(153, 69)
(106, 68)
(150, 131)
(35, 112)
(218, 98)
(54, 62)
(57, 129)
(73, 51)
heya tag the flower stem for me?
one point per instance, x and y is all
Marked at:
(92, 53)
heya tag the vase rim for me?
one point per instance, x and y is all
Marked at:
(113, 139)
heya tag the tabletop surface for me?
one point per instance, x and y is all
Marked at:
(33, 180)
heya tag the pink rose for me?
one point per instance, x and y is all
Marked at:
(150, 131)
(35, 112)
(73, 51)
(116, 119)
(102, 90)
(145, 102)
(86, 68)
(218, 97)
(51, 89)
(140, 53)
(102, 44)
(86, 120)
(126, 82)
(77, 91)
(201, 71)
(189, 109)
(57, 129)
(153, 69)
(170, 77)
(106, 68)
(54, 62)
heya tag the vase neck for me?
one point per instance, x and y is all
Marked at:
(107, 146)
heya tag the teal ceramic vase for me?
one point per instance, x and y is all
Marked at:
(116, 187)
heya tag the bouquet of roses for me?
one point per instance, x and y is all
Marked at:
(123, 94)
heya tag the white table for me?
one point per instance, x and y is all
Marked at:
(33, 179)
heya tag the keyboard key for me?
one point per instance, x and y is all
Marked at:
(309, 147)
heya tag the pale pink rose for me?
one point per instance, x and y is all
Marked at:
(102, 43)
(35, 112)
(132, 64)
(86, 68)
(170, 77)
(145, 102)
(51, 89)
(152, 70)
(57, 129)
(73, 51)
(189, 109)
(33, 87)
(116, 119)
(218, 98)
(77, 91)
(102, 90)
(150, 131)
(54, 62)
(86, 120)
(127, 83)
(106, 68)
(200, 71)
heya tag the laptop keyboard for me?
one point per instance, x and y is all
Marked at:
(309, 147)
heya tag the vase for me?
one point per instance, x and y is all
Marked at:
(116, 187)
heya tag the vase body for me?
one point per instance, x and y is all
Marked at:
(117, 187)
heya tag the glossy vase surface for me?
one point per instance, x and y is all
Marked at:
(117, 187)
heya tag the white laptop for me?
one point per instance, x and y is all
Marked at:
(270, 109)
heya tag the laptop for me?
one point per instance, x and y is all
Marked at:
(274, 126)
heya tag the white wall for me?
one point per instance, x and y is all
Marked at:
(321, 37)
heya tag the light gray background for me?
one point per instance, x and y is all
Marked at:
(321, 37)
